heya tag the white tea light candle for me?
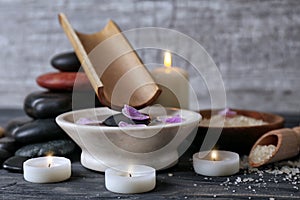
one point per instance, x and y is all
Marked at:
(130, 179)
(216, 163)
(47, 169)
(174, 83)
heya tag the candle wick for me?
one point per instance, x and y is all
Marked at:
(49, 165)
(130, 175)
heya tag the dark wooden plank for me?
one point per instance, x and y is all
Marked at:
(86, 184)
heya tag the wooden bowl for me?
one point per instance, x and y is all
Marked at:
(238, 139)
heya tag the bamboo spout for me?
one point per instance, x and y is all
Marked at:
(114, 69)
(286, 142)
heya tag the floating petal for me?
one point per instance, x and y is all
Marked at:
(170, 119)
(133, 113)
(227, 113)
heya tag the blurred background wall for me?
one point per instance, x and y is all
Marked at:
(255, 44)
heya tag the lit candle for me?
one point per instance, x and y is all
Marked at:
(47, 169)
(130, 179)
(214, 155)
(216, 163)
(174, 83)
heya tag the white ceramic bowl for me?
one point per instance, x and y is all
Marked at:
(158, 145)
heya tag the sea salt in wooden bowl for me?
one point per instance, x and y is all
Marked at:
(156, 145)
(239, 139)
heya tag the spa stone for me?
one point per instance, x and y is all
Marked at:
(64, 81)
(43, 105)
(39, 130)
(4, 155)
(54, 147)
(66, 62)
(9, 144)
(14, 164)
(15, 124)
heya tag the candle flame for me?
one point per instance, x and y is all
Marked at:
(49, 160)
(214, 155)
(168, 59)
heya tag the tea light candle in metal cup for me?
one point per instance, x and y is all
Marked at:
(130, 179)
(47, 169)
(216, 163)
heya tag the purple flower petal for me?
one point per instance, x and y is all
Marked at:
(170, 119)
(85, 121)
(227, 113)
(125, 124)
(174, 119)
(133, 113)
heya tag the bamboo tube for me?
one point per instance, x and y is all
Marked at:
(114, 69)
(286, 142)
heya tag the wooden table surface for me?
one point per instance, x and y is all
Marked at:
(179, 182)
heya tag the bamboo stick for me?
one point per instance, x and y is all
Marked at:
(114, 69)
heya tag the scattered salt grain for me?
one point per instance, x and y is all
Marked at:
(170, 174)
(248, 179)
(295, 187)
(275, 171)
(262, 153)
(238, 179)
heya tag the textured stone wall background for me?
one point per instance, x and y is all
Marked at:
(255, 44)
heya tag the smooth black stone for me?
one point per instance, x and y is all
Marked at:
(54, 147)
(14, 163)
(9, 144)
(66, 62)
(115, 119)
(44, 105)
(15, 124)
(4, 155)
(39, 130)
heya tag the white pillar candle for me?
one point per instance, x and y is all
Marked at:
(47, 169)
(130, 179)
(174, 83)
(216, 163)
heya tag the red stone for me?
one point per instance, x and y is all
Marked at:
(64, 81)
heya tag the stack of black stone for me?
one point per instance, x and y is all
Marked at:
(39, 135)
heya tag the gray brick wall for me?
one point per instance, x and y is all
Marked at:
(255, 44)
